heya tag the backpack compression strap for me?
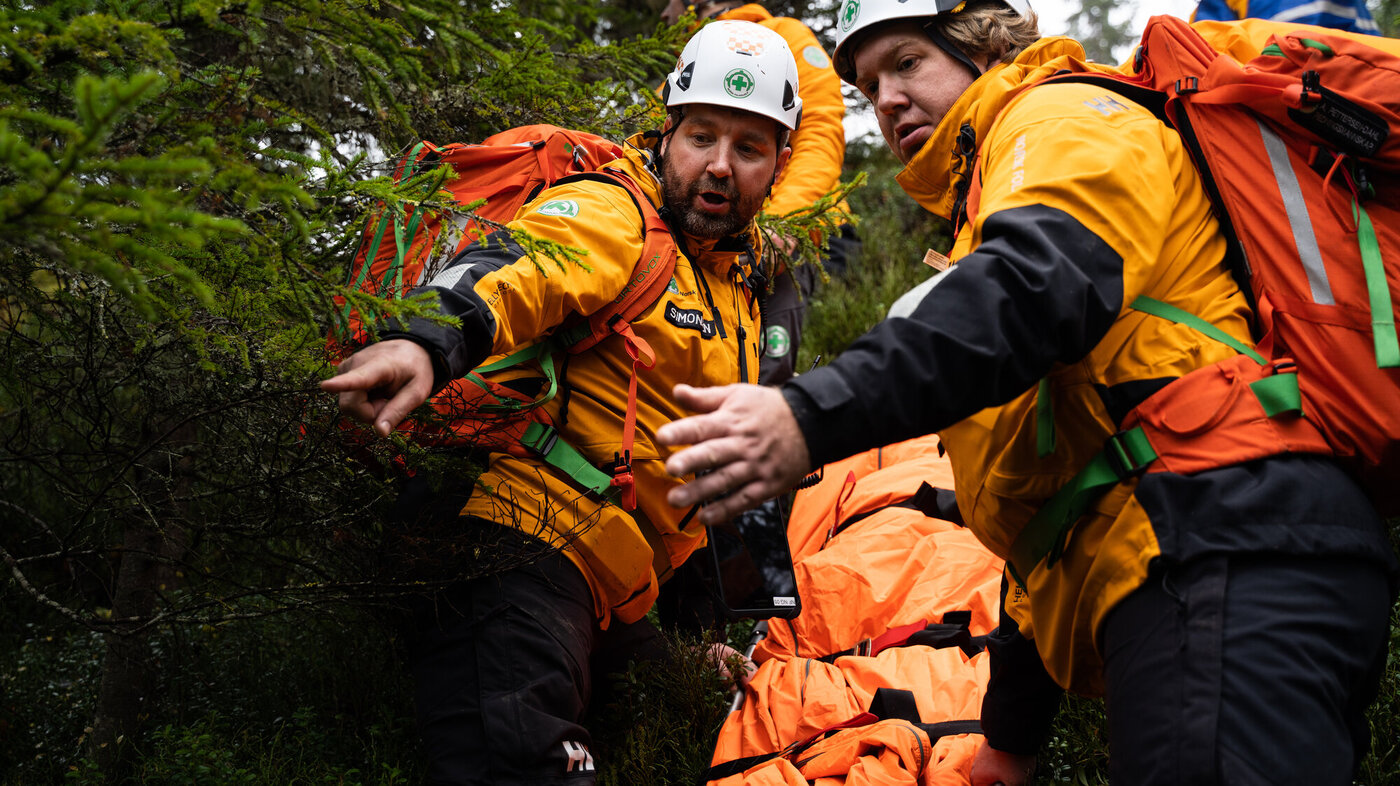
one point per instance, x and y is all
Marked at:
(888, 704)
(953, 631)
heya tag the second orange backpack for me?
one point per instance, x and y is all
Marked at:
(1298, 146)
(1295, 131)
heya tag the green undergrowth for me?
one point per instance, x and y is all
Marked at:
(279, 700)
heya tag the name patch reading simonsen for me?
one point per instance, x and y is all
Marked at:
(690, 319)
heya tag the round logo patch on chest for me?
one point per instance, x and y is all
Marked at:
(778, 341)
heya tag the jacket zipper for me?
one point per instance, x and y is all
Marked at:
(741, 300)
(718, 321)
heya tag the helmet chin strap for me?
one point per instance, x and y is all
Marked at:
(937, 37)
(656, 161)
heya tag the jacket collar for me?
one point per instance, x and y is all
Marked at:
(932, 173)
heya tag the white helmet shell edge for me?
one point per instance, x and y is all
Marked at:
(858, 15)
(740, 65)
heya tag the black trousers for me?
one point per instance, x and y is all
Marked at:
(504, 668)
(1245, 669)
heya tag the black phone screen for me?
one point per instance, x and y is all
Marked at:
(752, 564)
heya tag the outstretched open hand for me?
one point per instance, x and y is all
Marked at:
(745, 447)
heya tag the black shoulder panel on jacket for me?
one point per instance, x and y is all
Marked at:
(1040, 289)
(466, 347)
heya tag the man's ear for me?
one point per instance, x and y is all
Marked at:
(783, 156)
(666, 133)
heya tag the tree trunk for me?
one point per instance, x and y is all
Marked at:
(150, 550)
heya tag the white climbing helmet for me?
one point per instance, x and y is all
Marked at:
(740, 65)
(858, 15)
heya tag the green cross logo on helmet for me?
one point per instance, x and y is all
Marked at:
(739, 83)
(849, 14)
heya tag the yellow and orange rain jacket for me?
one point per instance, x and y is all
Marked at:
(819, 143)
(1070, 201)
(703, 331)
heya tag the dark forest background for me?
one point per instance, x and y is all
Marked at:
(192, 545)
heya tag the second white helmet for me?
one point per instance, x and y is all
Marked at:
(740, 65)
(858, 15)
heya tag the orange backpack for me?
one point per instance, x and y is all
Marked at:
(497, 406)
(1298, 152)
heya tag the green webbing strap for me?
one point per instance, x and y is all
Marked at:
(403, 240)
(1128, 453)
(369, 262)
(1124, 455)
(1318, 45)
(1173, 314)
(1044, 420)
(1277, 393)
(371, 253)
(542, 351)
(395, 270)
(1382, 312)
(559, 454)
(1277, 51)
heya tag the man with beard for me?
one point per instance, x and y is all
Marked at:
(818, 151)
(506, 658)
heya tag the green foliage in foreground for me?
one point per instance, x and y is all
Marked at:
(181, 186)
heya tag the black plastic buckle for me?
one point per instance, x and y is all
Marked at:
(1187, 85)
(1120, 458)
(1312, 87)
(545, 443)
(621, 463)
(1363, 182)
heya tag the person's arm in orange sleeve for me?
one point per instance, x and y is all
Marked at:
(819, 144)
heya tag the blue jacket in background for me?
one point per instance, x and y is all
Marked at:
(1350, 15)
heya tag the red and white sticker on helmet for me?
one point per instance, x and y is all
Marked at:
(748, 44)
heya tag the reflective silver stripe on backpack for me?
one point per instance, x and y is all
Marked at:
(1296, 207)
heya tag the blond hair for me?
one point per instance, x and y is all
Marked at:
(988, 29)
